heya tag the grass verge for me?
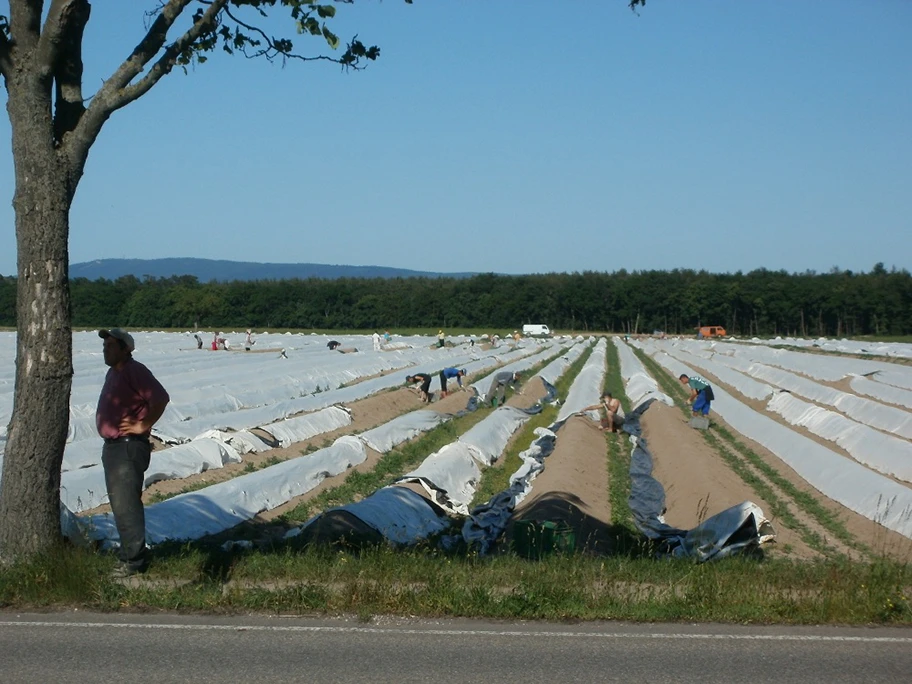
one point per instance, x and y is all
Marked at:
(424, 582)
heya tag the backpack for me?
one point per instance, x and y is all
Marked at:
(708, 392)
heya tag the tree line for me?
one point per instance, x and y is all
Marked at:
(760, 302)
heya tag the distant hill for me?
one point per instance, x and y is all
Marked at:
(207, 270)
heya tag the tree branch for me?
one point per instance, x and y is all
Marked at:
(148, 47)
(205, 22)
(116, 92)
(24, 23)
(66, 52)
(57, 26)
(275, 47)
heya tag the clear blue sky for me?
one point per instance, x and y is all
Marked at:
(509, 136)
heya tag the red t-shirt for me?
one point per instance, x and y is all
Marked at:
(127, 392)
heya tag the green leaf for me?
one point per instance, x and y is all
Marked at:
(326, 11)
(331, 38)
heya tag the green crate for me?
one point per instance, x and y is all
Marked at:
(535, 539)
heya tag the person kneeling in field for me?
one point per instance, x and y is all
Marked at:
(609, 406)
(701, 394)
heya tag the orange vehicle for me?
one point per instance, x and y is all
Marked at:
(711, 331)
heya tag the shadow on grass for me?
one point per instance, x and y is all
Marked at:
(337, 530)
(592, 535)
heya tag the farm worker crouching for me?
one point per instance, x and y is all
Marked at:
(499, 386)
(609, 407)
(425, 385)
(131, 402)
(446, 373)
(701, 394)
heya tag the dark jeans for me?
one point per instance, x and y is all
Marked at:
(125, 464)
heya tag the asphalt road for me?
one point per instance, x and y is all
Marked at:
(78, 647)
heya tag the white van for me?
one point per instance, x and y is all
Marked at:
(536, 329)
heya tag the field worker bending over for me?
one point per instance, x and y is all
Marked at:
(499, 386)
(446, 373)
(425, 386)
(701, 394)
(609, 406)
(131, 402)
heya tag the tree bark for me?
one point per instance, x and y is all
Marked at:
(44, 368)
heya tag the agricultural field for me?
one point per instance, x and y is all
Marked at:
(806, 461)
(820, 442)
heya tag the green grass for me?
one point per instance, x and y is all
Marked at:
(618, 450)
(158, 497)
(425, 582)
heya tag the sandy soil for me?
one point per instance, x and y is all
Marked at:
(875, 536)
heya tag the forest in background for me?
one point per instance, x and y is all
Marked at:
(762, 302)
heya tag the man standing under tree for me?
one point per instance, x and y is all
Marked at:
(131, 402)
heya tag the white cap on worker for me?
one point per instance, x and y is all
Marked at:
(119, 334)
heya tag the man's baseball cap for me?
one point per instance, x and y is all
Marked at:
(119, 334)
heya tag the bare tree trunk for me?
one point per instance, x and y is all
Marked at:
(30, 488)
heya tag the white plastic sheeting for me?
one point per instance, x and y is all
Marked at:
(85, 488)
(451, 474)
(236, 499)
(454, 471)
(559, 366)
(487, 439)
(400, 429)
(481, 386)
(869, 412)
(399, 514)
(587, 387)
(88, 487)
(639, 386)
(882, 392)
(735, 529)
(226, 504)
(301, 428)
(886, 454)
(856, 487)
(877, 415)
(826, 367)
(242, 442)
(729, 370)
(844, 346)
